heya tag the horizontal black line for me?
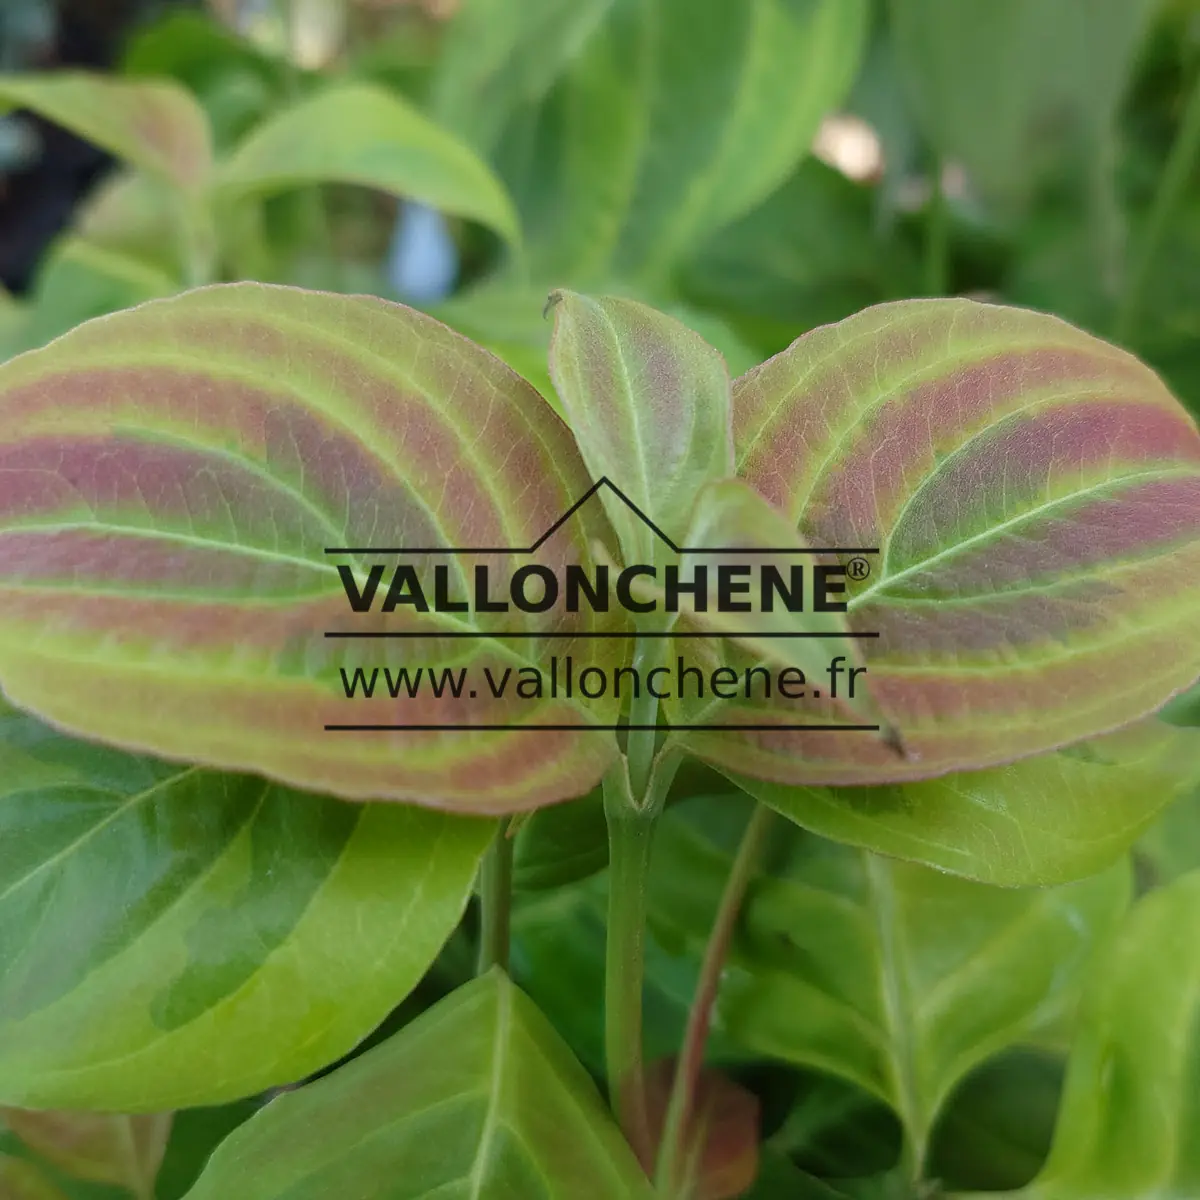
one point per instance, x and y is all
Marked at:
(601, 728)
(427, 550)
(384, 550)
(656, 633)
(778, 549)
(603, 481)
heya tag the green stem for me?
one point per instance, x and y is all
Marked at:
(937, 238)
(898, 1016)
(635, 791)
(1171, 189)
(680, 1107)
(630, 836)
(495, 889)
(643, 719)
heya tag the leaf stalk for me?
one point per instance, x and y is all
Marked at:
(635, 791)
(495, 890)
(630, 836)
(672, 1156)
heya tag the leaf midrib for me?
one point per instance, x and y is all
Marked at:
(860, 407)
(996, 531)
(177, 537)
(896, 1006)
(116, 814)
(492, 1096)
(504, 648)
(500, 1047)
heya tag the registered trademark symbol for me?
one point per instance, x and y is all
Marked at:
(858, 568)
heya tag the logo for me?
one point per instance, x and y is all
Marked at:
(402, 580)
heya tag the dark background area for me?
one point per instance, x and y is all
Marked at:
(38, 196)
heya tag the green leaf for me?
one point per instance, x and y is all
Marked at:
(1026, 499)
(361, 134)
(648, 402)
(509, 319)
(195, 1134)
(230, 76)
(895, 977)
(1184, 709)
(561, 844)
(81, 280)
(1043, 820)
(131, 214)
(558, 959)
(1171, 846)
(740, 355)
(498, 55)
(996, 1129)
(780, 1179)
(176, 937)
(1131, 1103)
(1004, 89)
(836, 1130)
(174, 476)
(124, 1151)
(478, 1096)
(810, 254)
(154, 125)
(675, 117)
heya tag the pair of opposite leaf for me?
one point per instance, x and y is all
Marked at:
(175, 474)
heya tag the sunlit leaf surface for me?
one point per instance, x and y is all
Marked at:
(478, 1097)
(220, 933)
(361, 134)
(1131, 1104)
(890, 975)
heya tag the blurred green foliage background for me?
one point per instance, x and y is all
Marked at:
(758, 168)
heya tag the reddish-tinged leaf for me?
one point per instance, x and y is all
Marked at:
(721, 1141)
(1034, 497)
(648, 401)
(172, 477)
(751, 537)
(154, 125)
(124, 1151)
(21, 1180)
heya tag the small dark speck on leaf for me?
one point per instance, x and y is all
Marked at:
(893, 741)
